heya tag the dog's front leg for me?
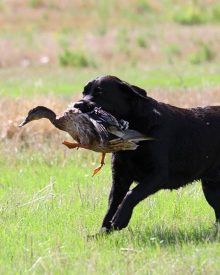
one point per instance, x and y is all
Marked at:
(132, 198)
(121, 181)
(116, 196)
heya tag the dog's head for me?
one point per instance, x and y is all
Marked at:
(112, 94)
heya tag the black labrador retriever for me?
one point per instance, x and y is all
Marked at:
(186, 147)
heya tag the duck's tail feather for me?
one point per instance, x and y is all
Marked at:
(121, 145)
(129, 134)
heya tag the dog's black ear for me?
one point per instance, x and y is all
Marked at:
(139, 90)
(134, 90)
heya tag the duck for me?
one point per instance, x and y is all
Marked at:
(96, 130)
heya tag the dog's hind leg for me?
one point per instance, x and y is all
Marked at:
(132, 198)
(211, 191)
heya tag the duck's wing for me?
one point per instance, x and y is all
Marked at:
(116, 131)
(107, 119)
(109, 122)
(100, 129)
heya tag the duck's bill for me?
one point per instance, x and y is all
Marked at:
(23, 123)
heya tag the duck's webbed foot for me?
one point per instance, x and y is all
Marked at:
(72, 145)
(96, 170)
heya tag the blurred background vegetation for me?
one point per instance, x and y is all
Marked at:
(57, 46)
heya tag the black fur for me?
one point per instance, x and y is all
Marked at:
(186, 147)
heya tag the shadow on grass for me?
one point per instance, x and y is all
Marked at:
(160, 236)
(164, 236)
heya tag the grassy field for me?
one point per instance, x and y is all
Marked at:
(70, 82)
(49, 203)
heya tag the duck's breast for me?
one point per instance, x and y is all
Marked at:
(80, 128)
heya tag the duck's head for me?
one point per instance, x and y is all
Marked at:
(38, 113)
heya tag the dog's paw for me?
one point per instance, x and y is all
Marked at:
(105, 230)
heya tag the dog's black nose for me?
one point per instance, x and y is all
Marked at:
(78, 104)
(84, 106)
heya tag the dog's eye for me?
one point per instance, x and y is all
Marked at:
(97, 91)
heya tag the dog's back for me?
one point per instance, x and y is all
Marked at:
(191, 140)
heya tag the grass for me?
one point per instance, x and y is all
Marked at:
(70, 82)
(197, 12)
(141, 41)
(50, 204)
(190, 15)
(204, 54)
(75, 59)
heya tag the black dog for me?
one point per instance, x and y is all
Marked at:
(186, 147)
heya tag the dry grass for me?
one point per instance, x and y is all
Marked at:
(188, 97)
(13, 111)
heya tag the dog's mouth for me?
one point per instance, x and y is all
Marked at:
(84, 106)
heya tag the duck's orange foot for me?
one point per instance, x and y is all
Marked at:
(96, 170)
(71, 145)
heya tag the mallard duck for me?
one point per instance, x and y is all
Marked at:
(97, 130)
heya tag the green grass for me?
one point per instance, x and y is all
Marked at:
(49, 204)
(70, 82)
(203, 54)
(77, 58)
(197, 13)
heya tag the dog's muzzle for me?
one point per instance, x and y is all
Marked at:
(84, 106)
